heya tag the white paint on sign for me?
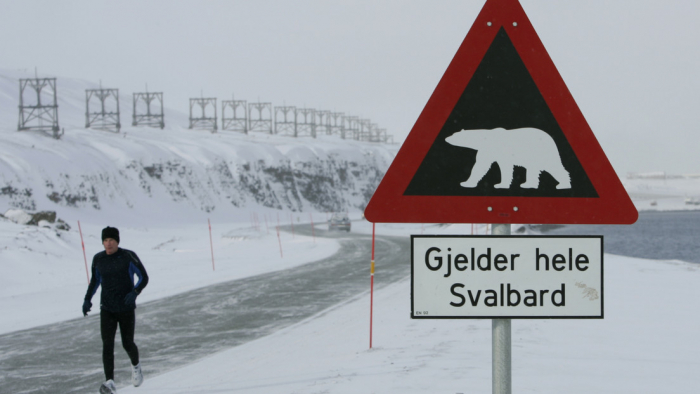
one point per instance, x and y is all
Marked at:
(530, 148)
(507, 277)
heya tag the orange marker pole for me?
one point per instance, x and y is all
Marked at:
(84, 256)
(313, 232)
(291, 218)
(211, 244)
(280, 241)
(371, 291)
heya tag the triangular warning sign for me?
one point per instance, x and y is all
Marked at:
(501, 140)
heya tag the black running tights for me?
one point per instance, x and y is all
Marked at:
(108, 328)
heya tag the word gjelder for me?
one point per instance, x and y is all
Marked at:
(434, 259)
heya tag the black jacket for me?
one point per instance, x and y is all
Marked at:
(115, 273)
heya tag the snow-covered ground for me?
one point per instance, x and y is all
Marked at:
(647, 342)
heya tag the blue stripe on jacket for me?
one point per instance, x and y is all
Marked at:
(133, 269)
(97, 280)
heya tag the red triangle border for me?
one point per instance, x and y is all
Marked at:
(389, 205)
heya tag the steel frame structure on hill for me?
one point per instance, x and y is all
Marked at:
(286, 120)
(305, 122)
(41, 116)
(203, 122)
(150, 118)
(352, 127)
(261, 123)
(235, 122)
(337, 123)
(323, 122)
(108, 115)
(365, 131)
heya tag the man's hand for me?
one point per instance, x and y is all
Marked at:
(86, 307)
(130, 298)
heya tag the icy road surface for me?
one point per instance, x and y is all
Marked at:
(174, 331)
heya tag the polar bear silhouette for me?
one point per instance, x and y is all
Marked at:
(530, 148)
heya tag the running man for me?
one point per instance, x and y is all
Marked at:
(114, 269)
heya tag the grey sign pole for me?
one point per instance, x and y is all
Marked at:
(500, 340)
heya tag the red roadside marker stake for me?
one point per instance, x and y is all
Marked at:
(84, 256)
(313, 233)
(291, 219)
(371, 290)
(280, 241)
(211, 244)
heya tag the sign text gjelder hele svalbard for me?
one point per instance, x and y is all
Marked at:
(500, 276)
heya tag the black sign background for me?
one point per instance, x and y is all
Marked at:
(501, 94)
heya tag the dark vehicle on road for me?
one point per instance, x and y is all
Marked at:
(338, 222)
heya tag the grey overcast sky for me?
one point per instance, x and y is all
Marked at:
(631, 65)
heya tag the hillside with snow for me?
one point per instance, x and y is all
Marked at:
(176, 171)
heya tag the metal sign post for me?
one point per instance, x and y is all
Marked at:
(500, 340)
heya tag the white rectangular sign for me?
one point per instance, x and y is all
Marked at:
(507, 277)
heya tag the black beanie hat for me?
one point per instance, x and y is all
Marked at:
(110, 232)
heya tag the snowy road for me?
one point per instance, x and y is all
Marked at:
(172, 332)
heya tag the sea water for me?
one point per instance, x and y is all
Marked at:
(672, 235)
